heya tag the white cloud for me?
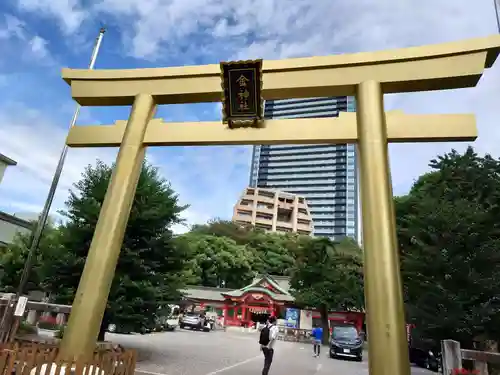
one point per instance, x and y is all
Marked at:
(284, 28)
(38, 47)
(32, 139)
(209, 179)
(69, 13)
(13, 28)
(31, 47)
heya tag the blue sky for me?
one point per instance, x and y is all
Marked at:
(39, 37)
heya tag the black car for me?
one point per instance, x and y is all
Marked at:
(424, 357)
(346, 343)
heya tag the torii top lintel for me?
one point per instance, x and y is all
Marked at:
(425, 68)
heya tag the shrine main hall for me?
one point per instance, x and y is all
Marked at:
(266, 296)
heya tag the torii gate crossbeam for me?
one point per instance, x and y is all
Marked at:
(401, 128)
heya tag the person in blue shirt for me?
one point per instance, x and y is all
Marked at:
(317, 336)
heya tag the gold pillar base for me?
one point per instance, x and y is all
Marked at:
(91, 297)
(385, 315)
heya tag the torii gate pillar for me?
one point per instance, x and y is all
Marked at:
(381, 261)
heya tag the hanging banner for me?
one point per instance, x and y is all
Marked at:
(259, 310)
(292, 317)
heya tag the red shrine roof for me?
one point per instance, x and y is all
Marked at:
(263, 284)
(276, 287)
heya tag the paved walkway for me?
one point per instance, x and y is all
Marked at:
(199, 353)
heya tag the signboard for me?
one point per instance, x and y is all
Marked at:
(242, 104)
(21, 306)
(292, 318)
(306, 319)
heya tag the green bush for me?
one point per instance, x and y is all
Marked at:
(60, 333)
(26, 328)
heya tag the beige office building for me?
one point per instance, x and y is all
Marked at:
(273, 210)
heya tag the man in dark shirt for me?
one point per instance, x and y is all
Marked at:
(268, 350)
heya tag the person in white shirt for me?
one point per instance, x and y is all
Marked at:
(269, 335)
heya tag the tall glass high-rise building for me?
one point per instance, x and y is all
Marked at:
(324, 174)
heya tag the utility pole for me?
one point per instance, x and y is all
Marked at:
(496, 3)
(5, 324)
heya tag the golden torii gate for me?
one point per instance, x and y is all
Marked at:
(366, 75)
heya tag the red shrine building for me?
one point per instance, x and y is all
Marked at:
(265, 296)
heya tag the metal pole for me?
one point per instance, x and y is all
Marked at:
(497, 15)
(42, 220)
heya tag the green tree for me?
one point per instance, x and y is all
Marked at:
(149, 267)
(273, 253)
(216, 261)
(13, 258)
(328, 276)
(224, 228)
(449, 236)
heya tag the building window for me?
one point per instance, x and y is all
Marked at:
(264, 206)
(244, 213)
(264, 217)
(283, 229)
(267, 194)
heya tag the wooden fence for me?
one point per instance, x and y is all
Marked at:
(453, 356)
(41, 359)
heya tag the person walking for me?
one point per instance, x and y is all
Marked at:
(268, 337)
(317, 336)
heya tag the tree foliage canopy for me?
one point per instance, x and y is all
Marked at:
(449, 235)
(266, 253)
(328, 276)
(14, 256)
(216, 261)
(147, 274)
